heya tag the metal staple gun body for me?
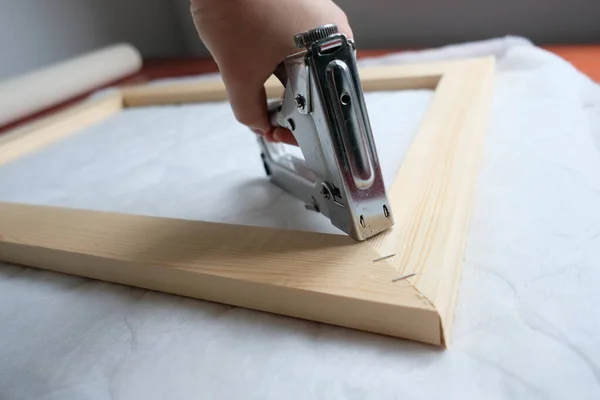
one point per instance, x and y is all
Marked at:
(324, 107)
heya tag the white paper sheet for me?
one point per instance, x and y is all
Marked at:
(527, 323)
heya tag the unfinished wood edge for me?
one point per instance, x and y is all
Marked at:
(19, 131)
(205, 90)
(351, 313)
(437, 111)
(421, 68)
(373, 78)
(45, 131)
(431, 330)
(439, 326)
(475, 122)
(388, 84)
(478, 121)
(440, 320)
(318, 277)
(469, 80)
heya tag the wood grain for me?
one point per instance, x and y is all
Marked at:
(187, 92)
(434, 190)
(373, 79)
(325, 278)
(51, 129)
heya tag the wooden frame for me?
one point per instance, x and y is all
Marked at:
(402, 283)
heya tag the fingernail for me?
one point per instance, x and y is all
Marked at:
(277, 135)
(257, 131)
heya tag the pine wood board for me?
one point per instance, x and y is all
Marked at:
(53, 128)
(324, 278)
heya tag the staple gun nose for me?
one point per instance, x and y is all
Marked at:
(324, 107)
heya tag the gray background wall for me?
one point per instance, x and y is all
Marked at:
(39, 32)
(395, 23)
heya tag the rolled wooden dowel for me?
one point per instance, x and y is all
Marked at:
(35, 91)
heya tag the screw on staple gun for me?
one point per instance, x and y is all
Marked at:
(324, 107)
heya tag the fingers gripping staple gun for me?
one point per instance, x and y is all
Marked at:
(324, 107)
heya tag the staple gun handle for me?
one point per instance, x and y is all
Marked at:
(323, 106)
(274, 113)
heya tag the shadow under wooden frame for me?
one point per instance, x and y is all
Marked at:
(402, 283)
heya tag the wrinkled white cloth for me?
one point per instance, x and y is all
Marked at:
(527, 322)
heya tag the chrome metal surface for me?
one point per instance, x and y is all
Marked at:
(323, 102)
(305, 39)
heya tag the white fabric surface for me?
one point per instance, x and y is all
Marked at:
(527, 324)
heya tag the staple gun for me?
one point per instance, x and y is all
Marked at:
(324, 107)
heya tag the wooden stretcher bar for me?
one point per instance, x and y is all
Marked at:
(402, 283)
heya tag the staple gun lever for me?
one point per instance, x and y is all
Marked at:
(324, 107)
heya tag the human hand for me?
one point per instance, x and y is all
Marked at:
(249, 39)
